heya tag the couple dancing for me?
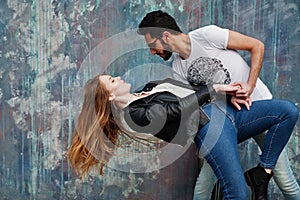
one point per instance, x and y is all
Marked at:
(163, 105)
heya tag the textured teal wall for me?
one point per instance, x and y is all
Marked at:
(46, 45)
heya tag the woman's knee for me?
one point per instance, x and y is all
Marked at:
(291, 109)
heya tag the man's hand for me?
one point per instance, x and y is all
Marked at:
(245, 91)
(239, 94)
(236, 101)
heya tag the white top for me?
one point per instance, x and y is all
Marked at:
(211, 62)
(164, 87)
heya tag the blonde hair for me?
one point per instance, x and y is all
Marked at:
(96, 132)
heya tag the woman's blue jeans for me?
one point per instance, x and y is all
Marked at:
(217, 141)
(283, 176)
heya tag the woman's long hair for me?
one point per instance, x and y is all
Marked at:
(96, 132)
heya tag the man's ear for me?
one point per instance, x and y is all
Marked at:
(166, 36)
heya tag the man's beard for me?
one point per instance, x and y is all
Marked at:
(167, 54)
(167, 51)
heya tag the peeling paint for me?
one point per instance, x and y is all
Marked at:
(44, 44)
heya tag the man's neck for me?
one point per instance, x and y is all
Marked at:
(182, 46)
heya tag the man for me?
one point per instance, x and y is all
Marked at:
(207, 55)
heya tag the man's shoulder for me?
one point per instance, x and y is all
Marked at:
(208, 32)
(205, 28)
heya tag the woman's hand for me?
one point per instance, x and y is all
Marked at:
(226, 89)
(235, 90)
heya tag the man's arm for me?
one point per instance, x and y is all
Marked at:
(239, 41)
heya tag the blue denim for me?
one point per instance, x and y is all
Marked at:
(283, 176)
(218, 140)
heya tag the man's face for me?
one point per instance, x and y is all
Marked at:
(158, 47)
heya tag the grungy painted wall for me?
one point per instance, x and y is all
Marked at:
(46, 45)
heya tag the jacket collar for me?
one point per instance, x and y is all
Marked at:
(150, 85)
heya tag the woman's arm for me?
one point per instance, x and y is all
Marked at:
(151, 113)
(226, 89)
(163, 106)
(167, 107)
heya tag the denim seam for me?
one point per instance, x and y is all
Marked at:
(269, 147)
(259, 119)
(265, 164)
(212, 158)
(226, 114)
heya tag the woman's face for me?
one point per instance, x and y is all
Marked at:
(115, 85)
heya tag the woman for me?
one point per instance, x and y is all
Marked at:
(176, 113)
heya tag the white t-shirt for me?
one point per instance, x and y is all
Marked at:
(165, 87)
(211, 62)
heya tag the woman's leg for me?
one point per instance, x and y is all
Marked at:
(278, 117)
(282, 173)
(263, 116)
(206, 179)
(217, 142)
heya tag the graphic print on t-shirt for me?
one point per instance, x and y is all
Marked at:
(206, 70)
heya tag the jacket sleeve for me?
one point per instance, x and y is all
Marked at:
(155, 112)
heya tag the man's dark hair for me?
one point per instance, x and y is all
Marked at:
(156, 22)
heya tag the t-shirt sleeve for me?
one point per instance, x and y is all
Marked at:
(215, 36)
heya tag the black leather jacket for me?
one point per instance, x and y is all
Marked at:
(167, 116)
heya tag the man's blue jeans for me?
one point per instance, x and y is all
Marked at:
(218, 139)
